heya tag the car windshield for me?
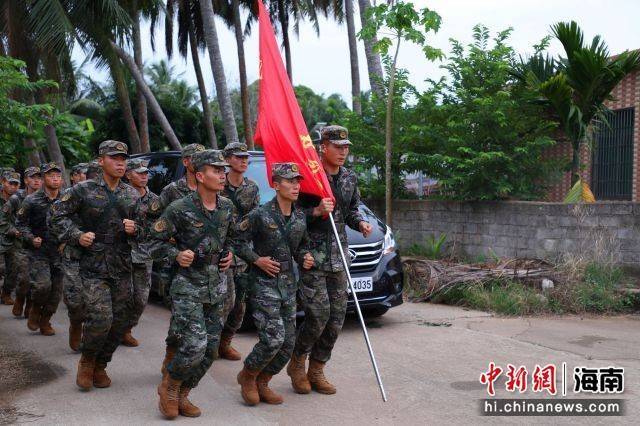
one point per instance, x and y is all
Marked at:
(257, 172)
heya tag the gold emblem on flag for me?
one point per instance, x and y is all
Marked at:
(306, 141)
(314, 166)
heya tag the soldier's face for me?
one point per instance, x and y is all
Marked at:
(33, 182)
(289, 189)
(78, 177)
(10, 187)
(333, 154)
(138, 180)
(113, 165)
(238, 164)
(53, 180)
(211, 177)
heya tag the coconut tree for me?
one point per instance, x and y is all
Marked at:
(374, 66)
(578, 85)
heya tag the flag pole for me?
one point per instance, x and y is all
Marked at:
(355, 300)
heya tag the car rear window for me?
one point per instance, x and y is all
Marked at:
(257, 172)
(161, 172)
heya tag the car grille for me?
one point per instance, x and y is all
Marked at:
(365, 257)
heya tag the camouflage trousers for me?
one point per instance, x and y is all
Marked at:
(273, 301)
(46, 282)
(141, 276)
(235, 302)
(17, 272)
(72, 293)
(324, 296)
(197, 328)
(108, 312)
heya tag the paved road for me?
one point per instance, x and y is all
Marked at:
(430, 371)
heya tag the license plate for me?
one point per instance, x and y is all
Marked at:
(362, 284)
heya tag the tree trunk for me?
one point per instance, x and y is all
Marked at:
(222, 93)
(151, 100)
(33, 153)
(122, 93)
(388, 143)
(374, 66)
(284, 26)
(143, 118)
(353, 57)
(575, 162)
(244, 95)
(206, 108)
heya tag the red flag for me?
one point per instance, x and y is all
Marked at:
(281, 130)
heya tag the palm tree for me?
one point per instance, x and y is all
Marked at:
(577, 86)
(374, 66)
(353, 57)
(215, 58)
(190, 33)
(242, 68)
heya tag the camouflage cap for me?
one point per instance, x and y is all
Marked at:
(4, 170)
(112, 148)
(93, 168)
(79, 168)
(238, 149)
(191, 149)
(137, 165)
(285, 170)
(11, 177)
(337, 135)
(47, 167)
(30, 171)
(208, 157)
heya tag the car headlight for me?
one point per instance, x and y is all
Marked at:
(389, 242)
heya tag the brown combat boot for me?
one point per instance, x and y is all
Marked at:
(169, 399)
(319, 383)
(169, 353)
(45, 325)
(6, 298)
(128, 340)
(265, 392)
(27, 308)
(75, 335)
(249, 388)
(33, 322)
(84, 379)
(100, 377)
(297, 371)
(18, 307)
(186, 407)
(226, 351)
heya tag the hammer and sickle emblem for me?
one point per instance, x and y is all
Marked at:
(306, 141)
(314, 166)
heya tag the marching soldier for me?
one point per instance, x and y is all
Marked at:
(42, 248)
(93, 170)
(97, 214)
(10, 185)
(202, 226)
(16, 255)
(243, 192)
(138, 176)
(324, 288)
(278, 233)
(78, 173)
(172, 192)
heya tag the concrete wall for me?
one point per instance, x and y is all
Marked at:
(521, 229)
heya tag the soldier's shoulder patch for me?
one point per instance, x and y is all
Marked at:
(6, 208)
(244, 225)
(160, 225)
(66, 197)
(155, 205)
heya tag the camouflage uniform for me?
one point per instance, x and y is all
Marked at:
(197, 292)
(273, 300)
(245, 198)
(172, 192)
(11, 246)
(44, 262)
(324, 288)
(142, 262)
(105, 266)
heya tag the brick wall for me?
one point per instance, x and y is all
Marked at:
(625, 95)
(519, 228)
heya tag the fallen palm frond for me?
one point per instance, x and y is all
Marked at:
(427, 278)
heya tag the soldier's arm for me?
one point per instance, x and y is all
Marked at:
(256, 200)
(61, 222)
(9, 210)
(5, 223)
(158, 244)
(246, 231)
(22, 222)
(303, 248)
(354, 217)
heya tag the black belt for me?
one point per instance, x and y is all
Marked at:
(110, 238)
(206, 259)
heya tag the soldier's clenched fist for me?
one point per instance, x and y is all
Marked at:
(129, 226)
(86, 239)
(308, 261)
(185, 258)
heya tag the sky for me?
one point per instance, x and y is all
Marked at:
(322, 62)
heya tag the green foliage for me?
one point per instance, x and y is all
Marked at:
(600, 290)
(432, 249)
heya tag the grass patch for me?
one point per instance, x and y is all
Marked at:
(599, 291)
